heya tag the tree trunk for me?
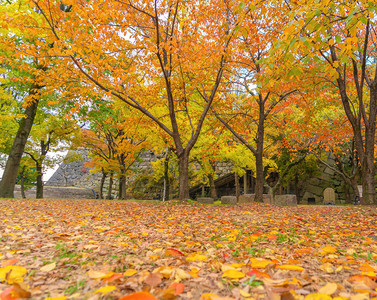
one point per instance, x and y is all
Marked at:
(22, 175)
(368, 169)
(183, 176)
(245, 185)
(39, 193)
(237, 184)
(102, 183)
(259, 179)
(212, 187)
(166, 191)
(13, 163)
(122, 186)
(110, 190)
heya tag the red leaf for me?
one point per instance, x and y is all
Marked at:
(173, 252)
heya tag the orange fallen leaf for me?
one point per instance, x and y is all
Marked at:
(291, 268)
(173, 252)
(114, 277)
(178, 287)
(367, 268)
(9, 262)
(258, 274)
(139, 296)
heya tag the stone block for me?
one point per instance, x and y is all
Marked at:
(228, 200)
(246, 198)
(267, 198)
(285, 200)
(207, 200)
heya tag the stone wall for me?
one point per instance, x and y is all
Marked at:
(327, 178)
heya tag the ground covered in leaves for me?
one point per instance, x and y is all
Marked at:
(88, 249)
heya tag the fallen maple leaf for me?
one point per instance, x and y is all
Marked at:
(173, 252)
(328, 249)
(99, 275)
(106, 289)
(153, 279)
(139, 296)
(291, 268)
(9, 262)
(318, 296)
(12, 274)
(130, 272)
(196, 257)
(48, 268)
(233, 274)
(114, 277)
(328, 289)
(178, 288)
(259, 263)
(258, 274)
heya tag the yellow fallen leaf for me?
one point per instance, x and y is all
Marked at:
(233, 274)
(327, 267)
(48, 268)
(291, 268)
(145, 233)
(13, 274)
(245, 294)
(130, 272)
(196, 257)
(181, 274)
(106, 289)
(209, 296)
(328, 249)
(259, 264)
(165, 271)
(328, 289)
(56, 298)
(318, 296)
(99, 275)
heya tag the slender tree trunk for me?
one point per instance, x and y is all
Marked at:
(212, 187)
(110, 190)
(368, 169)
(102, 183)
(122, 186)
(39, 193)
(183, 176)
(13, 163)
(237, 184)
(259, 179)
(22, 175)
(166, 191)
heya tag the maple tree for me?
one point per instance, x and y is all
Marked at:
(51, 132)
(114, 145)
(341, 39)
(156, 57)
(258, 83)
(21, 68)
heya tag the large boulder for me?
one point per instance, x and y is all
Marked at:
(228, 200)
(207, 200)
(285, 200)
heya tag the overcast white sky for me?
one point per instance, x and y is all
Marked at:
(49, 172)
